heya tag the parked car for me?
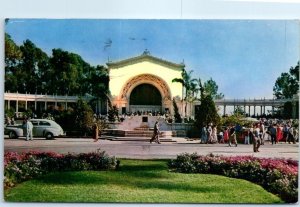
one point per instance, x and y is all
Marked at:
(41, 128)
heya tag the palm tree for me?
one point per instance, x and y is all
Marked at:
(192, 94)
(186, 83)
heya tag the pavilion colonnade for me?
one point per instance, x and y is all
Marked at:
(38, 102)
(254, 103)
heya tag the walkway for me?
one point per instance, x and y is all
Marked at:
(145, 150)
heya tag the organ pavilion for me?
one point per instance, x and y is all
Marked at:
(144, 84)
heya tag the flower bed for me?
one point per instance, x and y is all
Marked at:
(278, 176)
(24, 166)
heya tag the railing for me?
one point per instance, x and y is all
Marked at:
(252, 101)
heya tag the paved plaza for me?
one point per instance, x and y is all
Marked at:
(142, 149)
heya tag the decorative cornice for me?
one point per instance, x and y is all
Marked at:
(145, 78)
(145, 57)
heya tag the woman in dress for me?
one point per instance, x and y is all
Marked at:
(279, 134)
(226, 136)
(214, 135)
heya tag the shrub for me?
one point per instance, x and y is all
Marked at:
(279, 176)
(21, 167)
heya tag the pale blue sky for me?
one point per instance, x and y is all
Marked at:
(244, 57)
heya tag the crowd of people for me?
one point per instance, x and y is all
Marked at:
(273, 130)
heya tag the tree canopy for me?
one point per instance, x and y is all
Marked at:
(28, 69)
(207, 112)
(287, 84)
(211, 88)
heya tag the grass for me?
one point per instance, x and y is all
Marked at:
(139, 181)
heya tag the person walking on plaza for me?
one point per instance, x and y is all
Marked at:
(254, 135)
(278, 133)
(214, 135)
(29, 128)
(285, 131)
(232, 136)
(225, 135)
(262, 133)
(291, 137)
(204, 135)
(247, 137)
(95, 132)
(296, 135)
(155, 136)
(221, 137)
(209, 134)
(272, 131)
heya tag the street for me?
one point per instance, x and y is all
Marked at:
(142, 149)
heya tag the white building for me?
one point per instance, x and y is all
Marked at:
(144, 83)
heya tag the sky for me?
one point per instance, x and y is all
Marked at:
(244, 57)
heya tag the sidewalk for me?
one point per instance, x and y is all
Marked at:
(140, 148)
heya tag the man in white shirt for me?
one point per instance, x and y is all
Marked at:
(29, 128)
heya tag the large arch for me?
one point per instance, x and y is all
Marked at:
(150, 79)
(145, 94)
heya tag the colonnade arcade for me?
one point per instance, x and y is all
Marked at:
(250, 106)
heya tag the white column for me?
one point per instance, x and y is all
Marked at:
(261, 110)
(17, 106)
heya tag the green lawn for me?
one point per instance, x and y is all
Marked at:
(139, 181)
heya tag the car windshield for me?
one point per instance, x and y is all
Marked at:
(34, 123)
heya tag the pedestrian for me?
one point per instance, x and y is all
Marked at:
(12, 121)
(262, 133)
(291, 137)
(28, 127)
(278, 133)
(285, 131)
(209, 134)
(214, 135)
(272, 131)
(255, 138)
(296, 137)
(95, 132)
(232, 136)
(247, 138)
(155, 136)
(221, 137)
(8, 121)
(204, 135)
(225, 135)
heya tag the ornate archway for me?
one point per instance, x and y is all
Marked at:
(145, 94)
(148, 81)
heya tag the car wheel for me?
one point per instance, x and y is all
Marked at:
(12, 135)
(49, 135)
